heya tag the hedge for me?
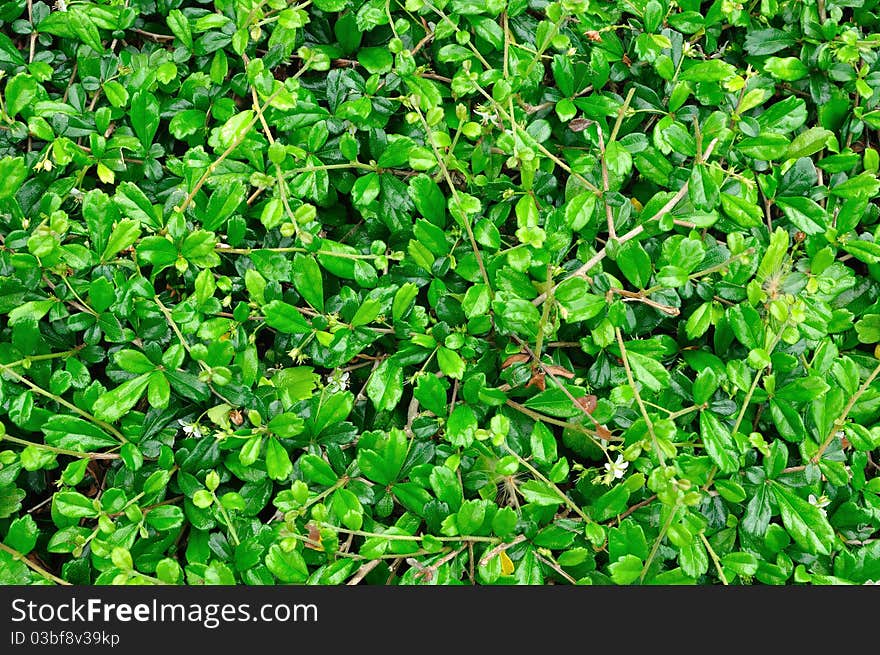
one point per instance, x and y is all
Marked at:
(406, 292)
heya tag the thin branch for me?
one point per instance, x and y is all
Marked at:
(500, 548)
(363, 571)
(629, 236)
(33, 565)
(639, 401)
(553, 565)
(839, 423)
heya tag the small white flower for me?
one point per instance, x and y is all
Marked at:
(820, 503)
(616, 469)
(191, 429)
(337, 381)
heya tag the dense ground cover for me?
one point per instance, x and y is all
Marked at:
(418, 292)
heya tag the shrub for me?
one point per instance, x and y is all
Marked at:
(429, 291)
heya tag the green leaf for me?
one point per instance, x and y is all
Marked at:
(74, 505)
(767, 147)
(382, 462)
(702, 189)
(714, 70)
(719, 444)
(21, 91)
(866, 251)
(115, 403)
(198, 248)
(803, 389)
(635, 264)
(580, 210)
(863, 186)
(447, 487)
(626, 570)
(133, 361)
(539, 493)
(805, 523)
(307, 280)
(22, 534)
(428, 199)
(577, 303)
(450, 362)
(235, 128)
(277, 460)
(179, 26)
(555, 402)
(82, 25)
(742, 212)
(649, 372)
(123, 236)
(158, 251)
(13, 172)
(186, 123)
(807, 215)
(70, 432)
(286, 425)
(132, 202)
(461, 426)
(789, 69)
(868, 328)
(742, 563)
(285, 318)
(385, 386)
(809, 142)
(431, 392)
(288, 566)
(144, 116)
(745, 323)
(317, 470)
(165, 518)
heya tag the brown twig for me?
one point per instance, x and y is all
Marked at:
(363, 571)
(500, 548)
(553, 565)
(636, 507)
(632, 234)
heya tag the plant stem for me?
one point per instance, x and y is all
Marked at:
(632, 234)
(549, 419)
(839, 423)
(66, 403)
(174, 328)
(545, 316)
(341, 482)
(44, 357)
(568, 501)
(454, 190)
(258, 113)
(60, 451)
(758, 374)
(33, 565)
(225, 515)
(639, 402)
(657, 543)
(708, 271)
(327, 253)
(621, 113)
(715, 559)
(408, 537)
(555, 566)
(500, 548)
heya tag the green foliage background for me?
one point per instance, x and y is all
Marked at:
(439, 292)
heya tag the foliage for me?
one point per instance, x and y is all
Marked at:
(439, 292)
